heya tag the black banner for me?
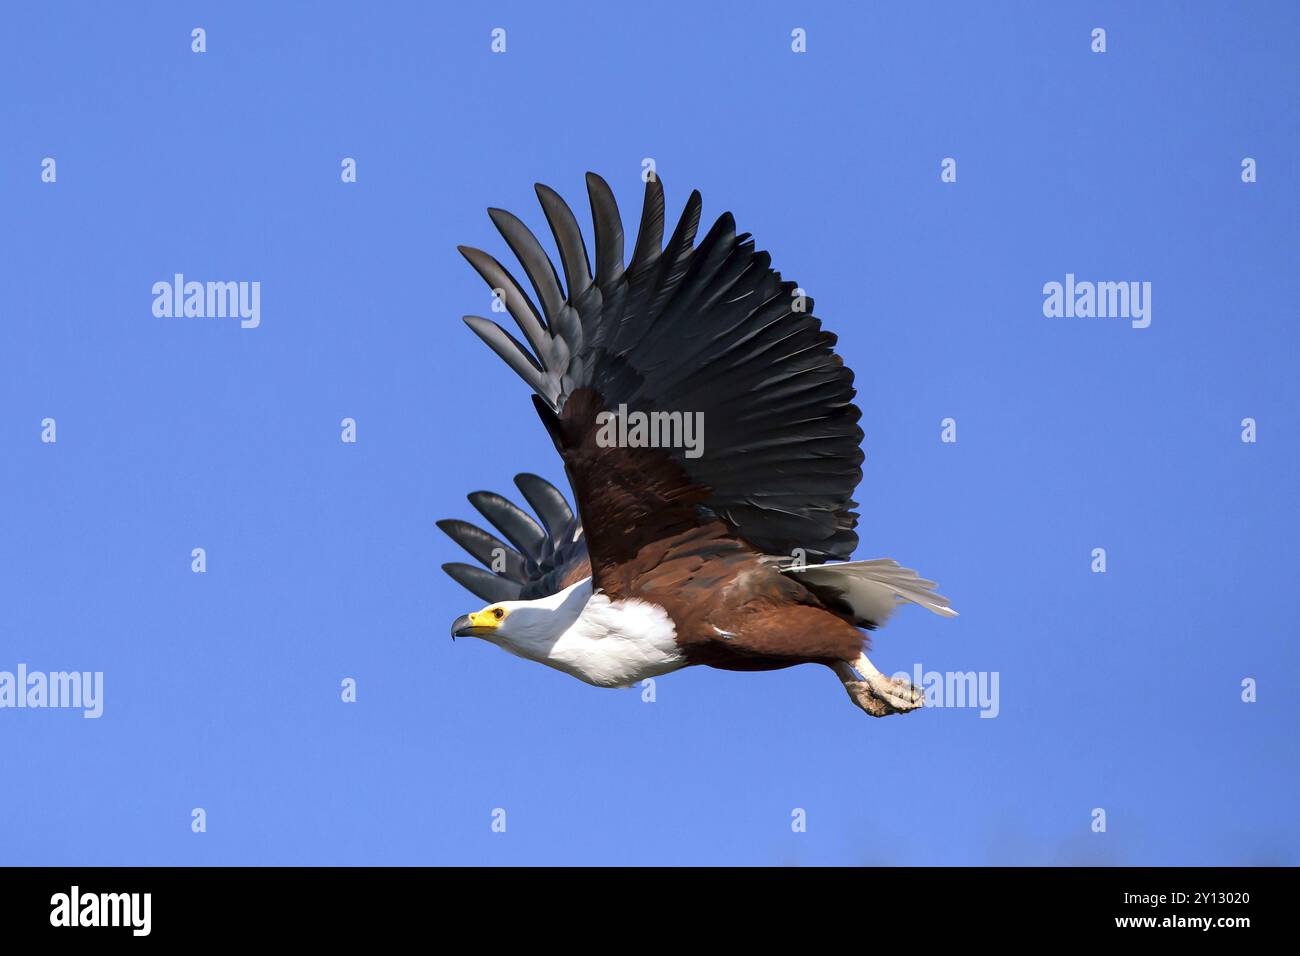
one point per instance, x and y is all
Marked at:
(370, 904)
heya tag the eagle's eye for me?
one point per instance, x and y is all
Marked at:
(498, 613)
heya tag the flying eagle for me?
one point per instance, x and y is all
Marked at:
(730, 548)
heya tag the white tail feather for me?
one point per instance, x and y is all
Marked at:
(874, 588)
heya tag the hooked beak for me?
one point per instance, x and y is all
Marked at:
(471, 625)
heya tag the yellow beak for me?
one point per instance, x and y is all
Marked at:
(473, 625)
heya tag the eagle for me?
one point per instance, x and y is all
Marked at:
(731, 547)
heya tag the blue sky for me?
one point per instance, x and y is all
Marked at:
(1119, 691)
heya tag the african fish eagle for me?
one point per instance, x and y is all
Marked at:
(736, 553)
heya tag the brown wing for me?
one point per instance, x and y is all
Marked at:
(709, 331)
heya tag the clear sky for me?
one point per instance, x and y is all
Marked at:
(1119, 691)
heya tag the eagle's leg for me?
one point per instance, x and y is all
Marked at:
(875, 693)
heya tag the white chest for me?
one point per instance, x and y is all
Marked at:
(611, 644)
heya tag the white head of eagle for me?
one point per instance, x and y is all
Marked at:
(676, 559)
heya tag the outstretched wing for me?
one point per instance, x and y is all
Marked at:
(540, 559)
(709, 331)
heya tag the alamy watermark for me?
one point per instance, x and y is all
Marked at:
(976, 689)
(82, 690)
(624, 429)
(1098, 300)
(209, 300)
